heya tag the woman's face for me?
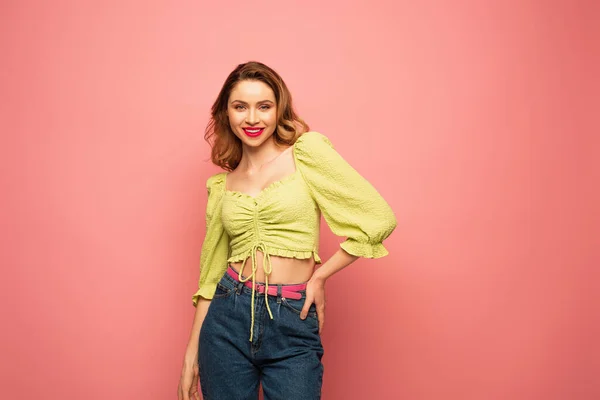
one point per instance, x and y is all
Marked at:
(252, 112)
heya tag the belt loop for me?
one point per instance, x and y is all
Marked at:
(238, 288)
(279, 293)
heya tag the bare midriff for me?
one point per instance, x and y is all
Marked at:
(285, 270)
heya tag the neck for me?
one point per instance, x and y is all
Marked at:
(253, 158)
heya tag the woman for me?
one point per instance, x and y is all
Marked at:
(260, 304)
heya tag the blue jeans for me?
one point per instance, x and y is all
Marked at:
(284, 355)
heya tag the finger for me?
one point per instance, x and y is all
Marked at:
(195, 382)
(184, 394)
(304, 311)
(194, 394)
(321, 317)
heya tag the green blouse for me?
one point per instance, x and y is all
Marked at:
(284, 218)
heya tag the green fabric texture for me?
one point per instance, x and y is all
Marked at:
(284, 218)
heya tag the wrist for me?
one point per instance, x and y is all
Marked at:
(319, 276)
(191, 356)
(189, 363)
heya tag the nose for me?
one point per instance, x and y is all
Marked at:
(252, 117)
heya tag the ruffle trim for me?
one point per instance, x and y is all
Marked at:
(207, 290)
(299, 254)
(266, 190)
(366, 250)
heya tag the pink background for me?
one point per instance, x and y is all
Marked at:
(472, 118)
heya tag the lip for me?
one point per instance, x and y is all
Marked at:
(261, 130)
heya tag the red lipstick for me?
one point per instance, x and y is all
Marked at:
(253, 132)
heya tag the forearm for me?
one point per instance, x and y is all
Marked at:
(340, 260)
(191, 354)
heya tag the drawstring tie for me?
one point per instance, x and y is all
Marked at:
(267, 268)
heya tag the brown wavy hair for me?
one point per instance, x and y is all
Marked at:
(226, 147)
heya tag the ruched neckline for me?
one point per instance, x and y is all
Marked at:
(272, 186)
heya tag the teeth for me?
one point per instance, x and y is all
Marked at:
(253, 131)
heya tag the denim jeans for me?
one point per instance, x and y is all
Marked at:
(284, 355)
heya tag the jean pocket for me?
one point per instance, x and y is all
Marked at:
(222, 291)
(297, 305)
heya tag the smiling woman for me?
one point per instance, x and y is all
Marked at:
(262, 324)
(253, 116)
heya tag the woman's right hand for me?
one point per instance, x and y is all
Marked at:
(188, 384)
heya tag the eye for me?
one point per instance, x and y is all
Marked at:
(264, 107)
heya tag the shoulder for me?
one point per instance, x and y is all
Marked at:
(216, 181)
(312, 140)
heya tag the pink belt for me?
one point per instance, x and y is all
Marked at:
(289, 291)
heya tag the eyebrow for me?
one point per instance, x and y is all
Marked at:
(262, 101)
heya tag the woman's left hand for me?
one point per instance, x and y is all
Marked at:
(315, 293)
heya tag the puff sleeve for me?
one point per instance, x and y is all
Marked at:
(215, 248)
(351, 206)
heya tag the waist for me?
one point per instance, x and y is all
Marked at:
(292, 291)
(284, 270)
(267, 268)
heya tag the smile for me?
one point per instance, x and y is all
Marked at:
(254, 131)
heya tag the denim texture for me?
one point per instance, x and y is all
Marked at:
(285, 354)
